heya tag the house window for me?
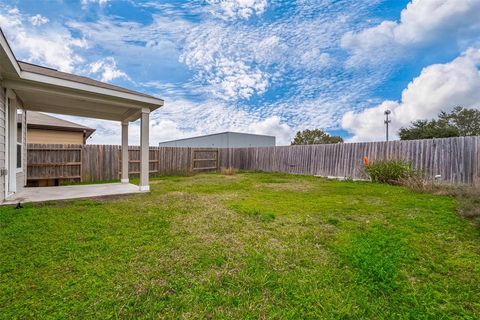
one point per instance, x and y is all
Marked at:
(19, 138)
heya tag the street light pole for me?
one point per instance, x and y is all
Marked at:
(387, 122)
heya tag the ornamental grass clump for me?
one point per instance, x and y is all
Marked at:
(390, 171)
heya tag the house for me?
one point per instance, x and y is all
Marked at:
(223, 140)
(27, 87)
(45, 129)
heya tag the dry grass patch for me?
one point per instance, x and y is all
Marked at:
(468, 200)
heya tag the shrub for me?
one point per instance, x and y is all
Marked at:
(390, 171)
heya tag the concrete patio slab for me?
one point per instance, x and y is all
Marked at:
(42, 194)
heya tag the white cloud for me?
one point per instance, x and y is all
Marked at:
(232, 70)
(422, 22)
(38, 20)
(244, 9)
(236, 79)
(272, 126)
(439, 87)
(315, 59)
(165, 130)
(107, 69)
(209, 50)
(99, 2)
(54, 47)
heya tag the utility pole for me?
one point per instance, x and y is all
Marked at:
(387, 122)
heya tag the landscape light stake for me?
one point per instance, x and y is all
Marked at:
(387, 122)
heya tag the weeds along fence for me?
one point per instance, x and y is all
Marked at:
(455, 160)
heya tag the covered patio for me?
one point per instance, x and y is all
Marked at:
(37, 88)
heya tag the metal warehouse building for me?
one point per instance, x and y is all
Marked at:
(223, 140)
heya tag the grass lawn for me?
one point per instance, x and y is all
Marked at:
(247, 246)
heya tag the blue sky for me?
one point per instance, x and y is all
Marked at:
(262, 66)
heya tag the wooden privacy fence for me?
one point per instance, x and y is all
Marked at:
(44, 161)
(455, 160)
(91, 163)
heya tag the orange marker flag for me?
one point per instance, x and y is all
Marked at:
(365, 160)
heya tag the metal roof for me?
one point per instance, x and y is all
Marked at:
(219, 133)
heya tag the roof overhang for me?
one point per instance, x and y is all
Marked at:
(8, 63)
(45, 93)
(63, 97)
(58, 128)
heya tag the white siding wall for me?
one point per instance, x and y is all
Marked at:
(2, 141)
(20, 176)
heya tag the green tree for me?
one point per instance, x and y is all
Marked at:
(315, 136)
(424, 129)
(459, 122)
(467, 121)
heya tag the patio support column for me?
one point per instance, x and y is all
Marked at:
(144, 150)
(125, 158)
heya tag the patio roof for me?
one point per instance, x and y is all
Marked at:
(48, 90)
